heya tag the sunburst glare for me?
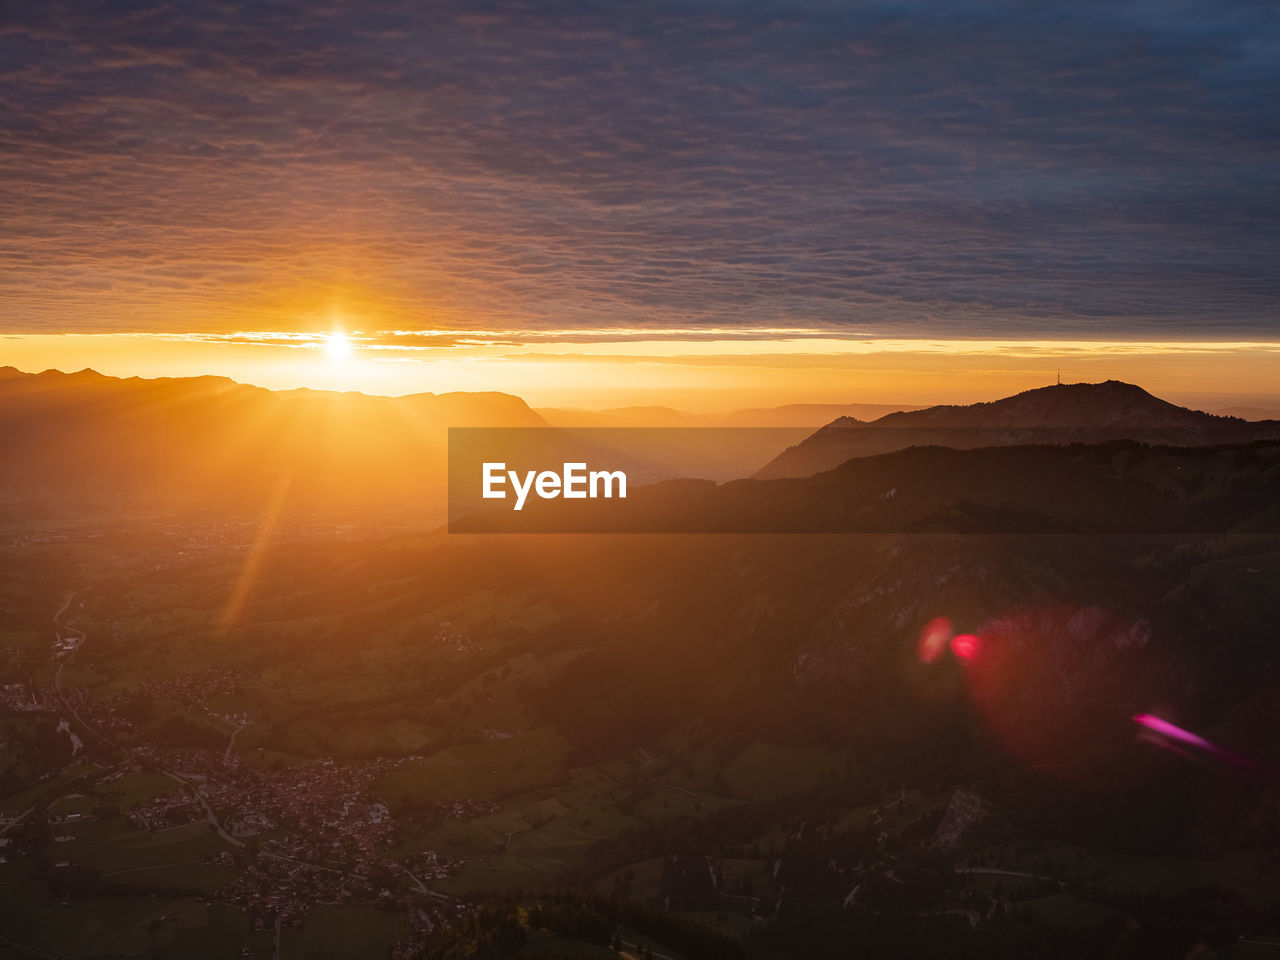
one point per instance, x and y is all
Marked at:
(338, 347)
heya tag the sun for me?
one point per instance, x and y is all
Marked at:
(338, 347)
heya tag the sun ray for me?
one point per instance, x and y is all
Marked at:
(257, 553)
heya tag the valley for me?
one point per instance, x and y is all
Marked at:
(399, 726)
(289, 733)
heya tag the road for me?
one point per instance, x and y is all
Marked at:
(17, 820)
(231, 744)
(57, 677)
(158, 866)
(208, 810)
(423, 887)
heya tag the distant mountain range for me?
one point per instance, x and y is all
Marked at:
(88, 440)
(718, 446)
(1250, 413)
(83, 441)
(788, 415)
(1064, 413)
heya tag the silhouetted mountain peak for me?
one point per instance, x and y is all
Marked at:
(1111, 403)
(209, 439)
(87, 375)
(1060, 413)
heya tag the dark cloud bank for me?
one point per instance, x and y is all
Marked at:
(1088, 169)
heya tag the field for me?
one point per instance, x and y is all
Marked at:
(334, 933)
(125, 850)
(764, 771)
(180, 929)
(116, 926)
(481, 771)
(1118, 874)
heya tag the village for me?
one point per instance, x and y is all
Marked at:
(296, 836)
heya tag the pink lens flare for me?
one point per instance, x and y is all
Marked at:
(1161, 732)
(965, 646)
(1173, 731)
(933, 639)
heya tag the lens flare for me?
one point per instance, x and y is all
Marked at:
(1173, 731)
(933, 639)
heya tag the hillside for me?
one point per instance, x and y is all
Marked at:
(1064, 413)
(84, 441)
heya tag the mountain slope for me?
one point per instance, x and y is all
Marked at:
(84, 439)
(1065, 413)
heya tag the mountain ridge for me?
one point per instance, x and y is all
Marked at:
(90, 375)
(83, 439)
(1064, 413)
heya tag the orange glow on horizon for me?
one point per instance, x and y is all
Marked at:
(699, 371)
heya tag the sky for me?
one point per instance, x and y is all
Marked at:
(579, 200)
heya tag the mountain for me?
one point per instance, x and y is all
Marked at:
(82, 441)
(1064, 413)
(652, 416)
(77, 440)
(806, 714)
(711, 446)
(788, 415)
(808, 414)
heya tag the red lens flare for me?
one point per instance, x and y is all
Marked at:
(965, 646)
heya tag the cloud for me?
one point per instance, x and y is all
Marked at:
(1097, 169)
(704, 346)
